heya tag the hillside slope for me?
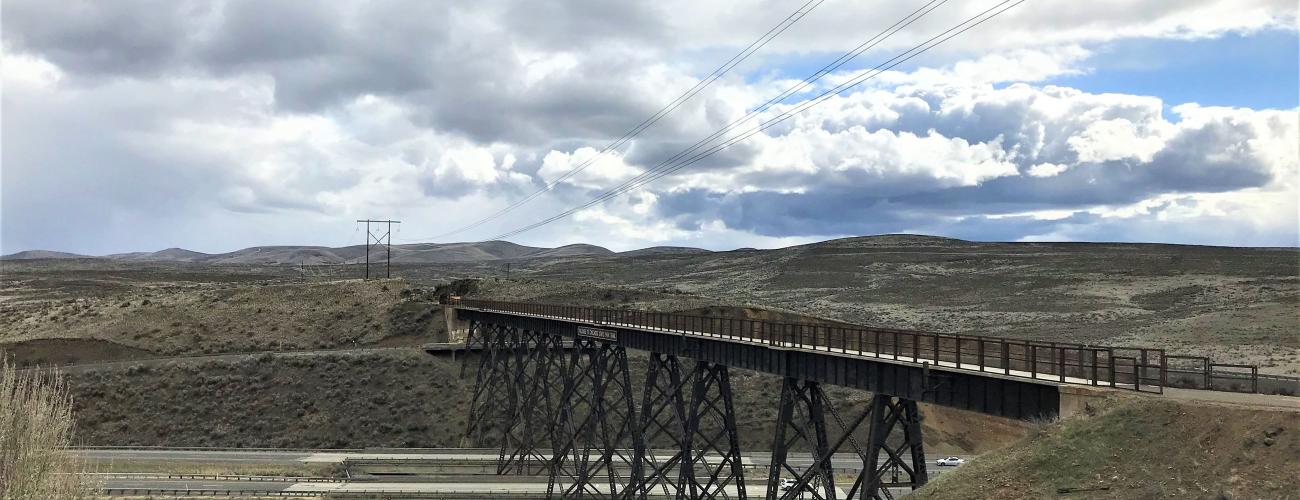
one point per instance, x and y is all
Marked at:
(415, 253)
(169, 319)
(41, 254)
(1235, 304)
(1140, 449)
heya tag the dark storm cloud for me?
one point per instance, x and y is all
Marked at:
(669, 154)
(456, 66)
(129, 38)
(1194, 162)
(785, 214)
(859, 208)
(581, 24)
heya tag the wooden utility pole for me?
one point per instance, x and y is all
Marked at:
(385, 239)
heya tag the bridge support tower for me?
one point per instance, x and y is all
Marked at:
(570, 414)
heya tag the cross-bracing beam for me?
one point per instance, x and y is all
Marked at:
(532, 396)
(656, 468)
(711, 451)
(596, 425)
(801, 418)
(892, 417)
(539, 359)
(491, 404)
(893, 427)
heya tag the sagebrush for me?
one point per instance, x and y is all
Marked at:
(35, 431)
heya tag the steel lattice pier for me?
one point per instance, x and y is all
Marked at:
(574, 413)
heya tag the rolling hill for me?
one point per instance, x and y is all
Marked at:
(416, 253)
(41, 254)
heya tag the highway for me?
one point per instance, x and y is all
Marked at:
(196, 456)
(449, 455)
(457, 484)
(483, 489)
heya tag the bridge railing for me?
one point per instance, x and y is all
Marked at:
(1137, 368)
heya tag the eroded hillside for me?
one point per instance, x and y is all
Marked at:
(1141, 448)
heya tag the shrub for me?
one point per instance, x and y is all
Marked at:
(35, 427)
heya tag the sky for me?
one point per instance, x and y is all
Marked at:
(218, 125)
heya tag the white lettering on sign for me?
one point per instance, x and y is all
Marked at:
(597, 333)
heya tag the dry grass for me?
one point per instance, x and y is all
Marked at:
(35, 425)
(1140, 448)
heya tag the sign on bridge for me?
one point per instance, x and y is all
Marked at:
(598, 333)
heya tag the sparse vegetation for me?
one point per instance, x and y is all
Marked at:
(36, 424)
(1226, 303)
(1141, 448)
(391, 398)
(213, 318)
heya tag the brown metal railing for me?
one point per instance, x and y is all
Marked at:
(1136, 368)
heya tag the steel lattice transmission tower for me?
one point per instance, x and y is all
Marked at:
(385, 239)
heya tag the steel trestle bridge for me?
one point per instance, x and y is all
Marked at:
(553, 390)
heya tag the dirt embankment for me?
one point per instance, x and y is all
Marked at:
(1142, 448)
(153, 320)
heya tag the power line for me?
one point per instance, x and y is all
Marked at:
(663, 170)
(800, 86)
(717, 73)
(656, 174)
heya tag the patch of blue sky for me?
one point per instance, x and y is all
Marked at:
(1258, 70)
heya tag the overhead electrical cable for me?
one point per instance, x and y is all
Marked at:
(807, 81)
(717, 73)
(666, 169)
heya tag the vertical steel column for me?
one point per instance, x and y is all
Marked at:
(477, 335)
(661, 425)
(887, 415)
(622, 421)
(597, 420)
(474, 341)
(491, 403)
(539, 359)
(809, 426)
(711, 430)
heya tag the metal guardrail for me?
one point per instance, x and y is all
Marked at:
(1198, 372)
(1135, 368)
(397, 494)
(220, 477)
(376, 451)
(216, 448)
(207, 492)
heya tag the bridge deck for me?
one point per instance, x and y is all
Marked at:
(915, 365)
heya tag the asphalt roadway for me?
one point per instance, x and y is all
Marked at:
(476, 489)
(291, 457)
(193, 456)
(434, 485)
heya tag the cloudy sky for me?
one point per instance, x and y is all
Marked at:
(217, 125)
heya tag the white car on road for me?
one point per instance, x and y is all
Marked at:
(950, 461)
(787, 483)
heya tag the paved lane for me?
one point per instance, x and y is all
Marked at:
(839, 460)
